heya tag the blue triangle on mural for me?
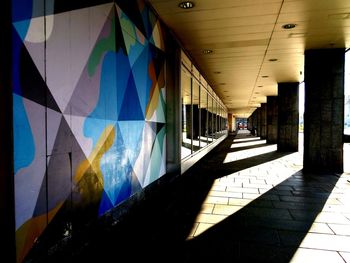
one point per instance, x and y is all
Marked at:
(131, 108)
(22, 28)
(131, 132)
(105, 204)
(141, 76)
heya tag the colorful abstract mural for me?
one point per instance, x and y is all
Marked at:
(89, 110)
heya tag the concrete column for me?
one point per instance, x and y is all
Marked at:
(249, 123)
(262, 118)
(258, 122)
(230, 127)
(255, 122)
(234, 128)
(324, 110)
(288, 116)
(272, 119)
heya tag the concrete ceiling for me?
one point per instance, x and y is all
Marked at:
(245, 35)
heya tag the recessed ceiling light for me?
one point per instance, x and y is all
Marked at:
(186, 5)
(289, 26)
(207, 51)
(273, 59)
(265, 76)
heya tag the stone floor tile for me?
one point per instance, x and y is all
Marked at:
(201, 228)
(326, 242)
(321, 228)
(225, 194)
(209, 218)
(216, 200)
(219, 187)
(339, 229)
(345, 256)
(225, 209)
(316, 256)
(242, 190)
(207, 208)
(239, 202)
(330, 217)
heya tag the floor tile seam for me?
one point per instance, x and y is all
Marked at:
(324, 249)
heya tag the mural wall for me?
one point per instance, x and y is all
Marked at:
(89, 110)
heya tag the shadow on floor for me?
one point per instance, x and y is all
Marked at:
(269, 229)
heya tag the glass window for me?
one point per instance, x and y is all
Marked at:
(195, 115)
(347, 94)
(215, 118)
(204, 117)
(210, 119)
(186, 99)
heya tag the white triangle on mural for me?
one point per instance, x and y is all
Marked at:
(159, 113)
(162, 170)
(66, 60)
(76, 124)
(142, 163)
(36, 49)
(157, 36)
(156, 153)
(53, 124)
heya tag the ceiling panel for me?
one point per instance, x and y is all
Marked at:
(245, 35)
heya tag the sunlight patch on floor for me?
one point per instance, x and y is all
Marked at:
(246, 139)
(231, 193)
(329, 235)
(240, 155)
(249, 143)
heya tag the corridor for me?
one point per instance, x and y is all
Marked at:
(243, 202)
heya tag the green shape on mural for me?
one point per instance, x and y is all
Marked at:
(103, 45)
(156, 157)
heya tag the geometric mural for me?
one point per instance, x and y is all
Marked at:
(88, 110)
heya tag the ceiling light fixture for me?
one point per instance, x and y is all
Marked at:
(289, 26)
(186, 5)
(207, 51)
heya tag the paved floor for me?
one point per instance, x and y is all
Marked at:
(243, 202)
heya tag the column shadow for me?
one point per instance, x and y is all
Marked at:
(156, 229)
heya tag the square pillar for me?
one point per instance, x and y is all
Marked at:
(258, 122)
(254, 122)
(288, 116)
(272, 119)
(324, 110)
(262, 121)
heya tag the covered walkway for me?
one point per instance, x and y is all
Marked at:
(243, 202)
